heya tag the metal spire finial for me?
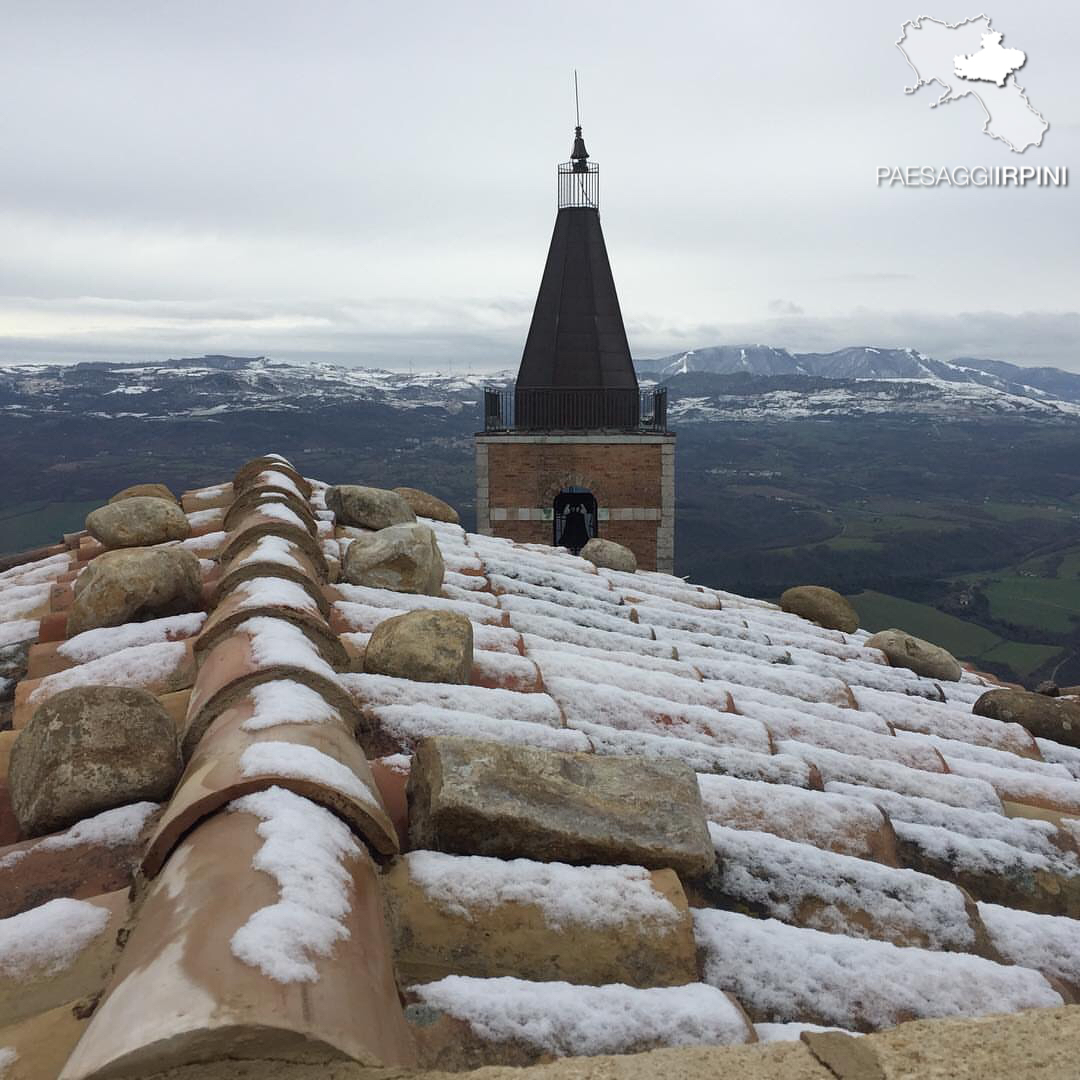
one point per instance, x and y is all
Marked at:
(578, 155)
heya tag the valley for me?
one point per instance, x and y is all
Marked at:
(959, 524)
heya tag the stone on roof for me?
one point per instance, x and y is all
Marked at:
(361, 868)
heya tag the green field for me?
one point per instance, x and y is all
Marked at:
(1021, 657)
(1045, 603)
(965, 640)
(877, 611)
(29, 525)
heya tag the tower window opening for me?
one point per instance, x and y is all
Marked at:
(575, 518)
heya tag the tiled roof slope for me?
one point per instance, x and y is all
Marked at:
(881, 854)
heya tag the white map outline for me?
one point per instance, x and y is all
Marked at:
(946, 98)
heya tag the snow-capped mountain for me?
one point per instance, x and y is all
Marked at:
(704, 398)
(724, 360)
(752, 382)
(865, 362)
(211, 385)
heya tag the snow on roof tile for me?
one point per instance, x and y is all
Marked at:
(369, 597)
(845, 824)
(631, 710)
(782, 973)
(766, 707)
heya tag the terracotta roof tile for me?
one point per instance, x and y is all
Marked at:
(890, 854)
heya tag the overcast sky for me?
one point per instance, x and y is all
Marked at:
(374, 182)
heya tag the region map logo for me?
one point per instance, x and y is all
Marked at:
(968, 59)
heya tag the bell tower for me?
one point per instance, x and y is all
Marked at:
(576, 449)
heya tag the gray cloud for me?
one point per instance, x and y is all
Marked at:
(374, 183)
(478, 335)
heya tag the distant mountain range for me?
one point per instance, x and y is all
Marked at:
(208, 386)
(720, 383)
(864, 362)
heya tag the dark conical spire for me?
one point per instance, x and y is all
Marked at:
(577, 341)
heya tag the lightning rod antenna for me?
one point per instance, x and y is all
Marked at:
(577, 103)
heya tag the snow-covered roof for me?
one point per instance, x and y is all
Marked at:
(882, 854)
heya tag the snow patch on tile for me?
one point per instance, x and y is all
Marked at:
(285, 701)
(277, 643)
(304, 850)
(624, 709)
(408, 723)
(781, 876)
(1050, 943)
(299, 762)
(205, 517)
(1020, 785)
(94, 644)
(272, 592)
(32, 573)
(1056, 753)
(270, 549)
(1028, 834)
(48, 939)
(987, 755)
(788, 973)
(208, 542)
(567, 1020)
(962, 791)
(17, 601)
(593, 896)
(701, 757)
(19, 630)
(280, 512)
(111, 828)
(830, 821)
(769, 1033)
(138, 666)
(495, 704)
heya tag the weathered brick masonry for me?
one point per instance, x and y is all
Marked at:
(632, 477)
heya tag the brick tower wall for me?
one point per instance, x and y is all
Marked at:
(632, 477)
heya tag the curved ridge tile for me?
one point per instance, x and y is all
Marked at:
(257, 498)
(273, 519)
(263, 937)
(282, 734)
(250, 472)
(258, 650)
(277, 598)
(274, 556)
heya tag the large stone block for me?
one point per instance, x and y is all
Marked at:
(425, 505)
(1057, 719)
(907, 651)
(588, 925)
(138, 521)
(368, 507)
(404, 558)
(426, 646)
(90, 749)
(154, 491)
(826, 607)
(608, 554)
(473, 797)
(125, 586)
